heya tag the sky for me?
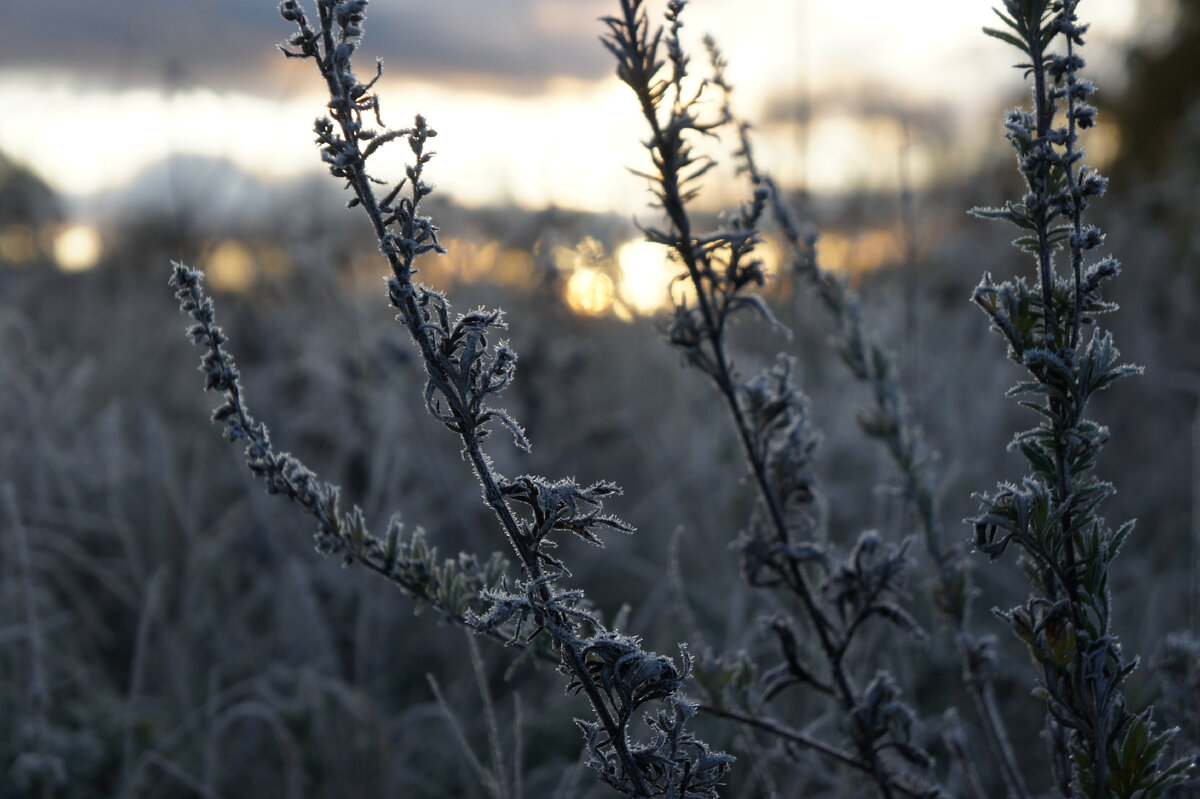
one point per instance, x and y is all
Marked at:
(524, 97)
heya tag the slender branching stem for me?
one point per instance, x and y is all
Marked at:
(411, 316)
(1098, 747)
(636, 51)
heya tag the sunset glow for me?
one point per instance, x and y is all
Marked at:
(230, 267)
(646, 275)
(854, 255)
(568, 142)
(77, 247)
(590, 292)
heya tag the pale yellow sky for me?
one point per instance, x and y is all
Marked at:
(570, 141)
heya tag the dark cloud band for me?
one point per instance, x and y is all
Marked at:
(224, 44)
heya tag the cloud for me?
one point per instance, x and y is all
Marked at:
(516, 46)
(926, 118)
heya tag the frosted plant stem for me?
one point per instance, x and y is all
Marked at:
(487, 780)
(455, 390)
(38, 689)
(137, 667)
(668, 154)
(570, 654)
(902, 443)
(493, 496)
(842, 305)
(1097, 745)
(1195, 604)
(503, 786)
(794, 736)
(518, 744)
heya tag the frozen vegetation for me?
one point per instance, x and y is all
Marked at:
(784, 602)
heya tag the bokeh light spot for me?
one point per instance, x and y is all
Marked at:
(231, 267)
(77, 247)
(590, 291)
(17, 244)
(646, 275)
